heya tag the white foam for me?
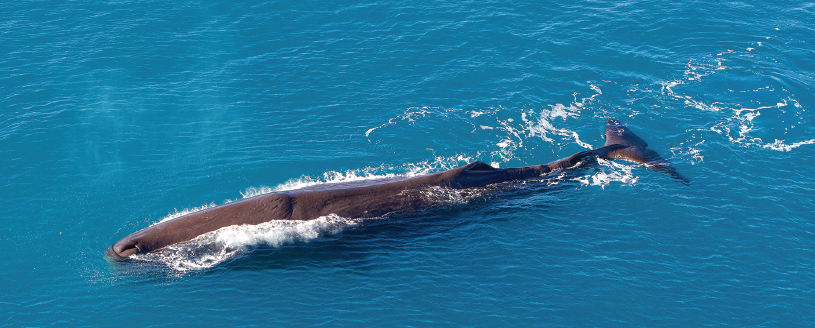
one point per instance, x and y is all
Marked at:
(746, 123)
(510, 133)
(477, 113)
(213, 248)
(596, 89)
(543, 126)
(781, 146)
(695, 154)
(609, 172)
(694, 73)
(446, 196)
(743, 122)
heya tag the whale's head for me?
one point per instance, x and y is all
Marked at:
(126, 248)
(157, 236)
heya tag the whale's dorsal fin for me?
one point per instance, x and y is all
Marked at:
(480, 166)
(636, 150)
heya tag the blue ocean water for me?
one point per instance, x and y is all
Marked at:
(116, 115)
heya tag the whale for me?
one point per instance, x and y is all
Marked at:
(376, 200)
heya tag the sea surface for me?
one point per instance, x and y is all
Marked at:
(116, 115)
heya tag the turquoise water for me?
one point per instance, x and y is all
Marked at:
(116, 115)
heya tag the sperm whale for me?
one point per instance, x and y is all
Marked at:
(374, 200)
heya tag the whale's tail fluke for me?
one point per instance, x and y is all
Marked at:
(636, 150)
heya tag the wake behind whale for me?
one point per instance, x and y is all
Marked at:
(298, 213)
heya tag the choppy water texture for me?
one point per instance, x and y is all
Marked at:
(116, 115)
